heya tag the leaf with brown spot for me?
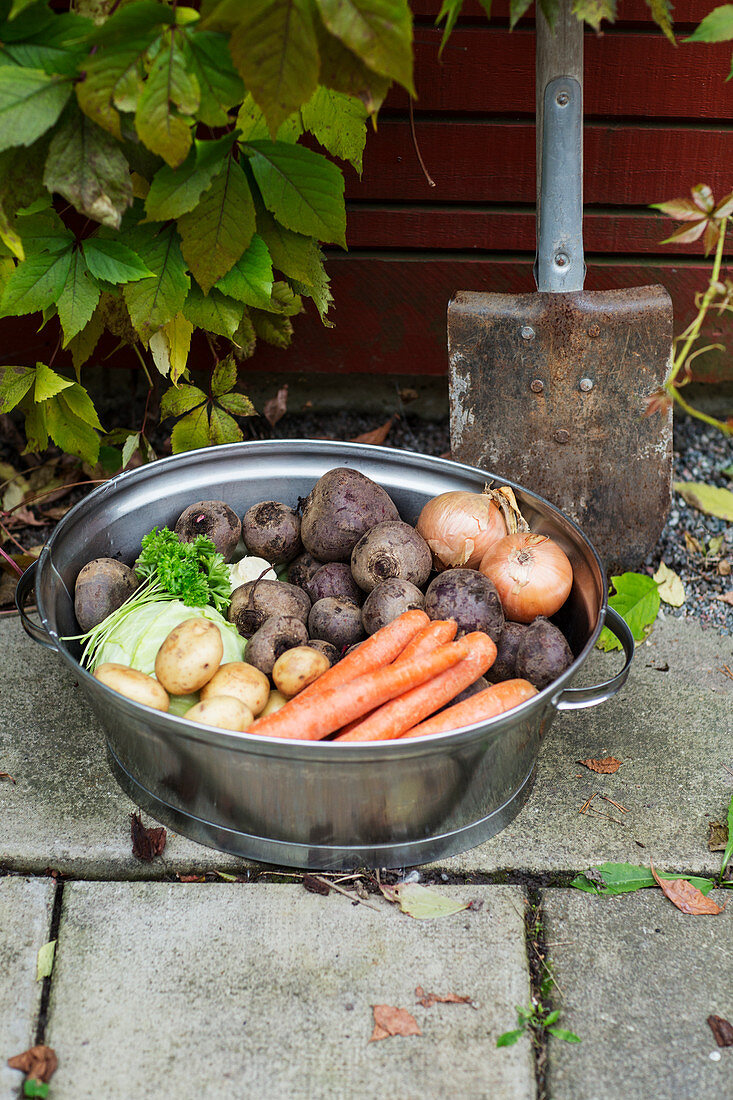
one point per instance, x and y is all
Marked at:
(389, 1020)
(717, 839)
(686, 897)
(275, 409)
(147, 843)
(427, 1000)
(378, 435)
(316, 885)
(39, 1063)
(607, 765)
(722, 1030)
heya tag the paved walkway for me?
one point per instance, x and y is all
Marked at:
(218, 988)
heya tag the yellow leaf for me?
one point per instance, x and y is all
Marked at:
(707, 498)
(671, 589)
(170, 345)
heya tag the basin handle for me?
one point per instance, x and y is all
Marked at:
(577, 698)
(24, 588)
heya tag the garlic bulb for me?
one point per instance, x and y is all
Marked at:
(250, 569)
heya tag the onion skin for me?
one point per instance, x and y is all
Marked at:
(532, 574)
(459, 527)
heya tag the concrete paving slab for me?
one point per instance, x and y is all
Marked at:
(266, 990)
(638, 979)
(672, 725)
(25, 920)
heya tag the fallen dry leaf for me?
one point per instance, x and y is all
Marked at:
(275, 409)
(686, 897)
(722, 1030)
(389, 1020)
(727, 597)
(718, 838)
(607, 765)
(146, 843)
(190, 878)
(378, 435)
(427, 1000)
(419, 902)
(8, 776)
(39, 1063)
(316, 885)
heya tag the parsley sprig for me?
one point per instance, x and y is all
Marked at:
(194, 572)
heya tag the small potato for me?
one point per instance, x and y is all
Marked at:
(189, 656)
(243, 681)
(274, 703)
(297, 668)
(133, 684)
(223, 711)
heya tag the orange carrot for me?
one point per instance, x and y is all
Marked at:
(380, 649)
(404, 712)
(483, 705)
(429, 638)
(325, 711)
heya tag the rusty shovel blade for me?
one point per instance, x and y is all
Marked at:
(550, 390)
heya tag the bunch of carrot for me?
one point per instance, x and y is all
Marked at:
(390, 685)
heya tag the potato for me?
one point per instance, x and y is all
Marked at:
(133, 684)
(223, 711)
(274, 703)
(243, 681)
(189, 656)
(297, 668)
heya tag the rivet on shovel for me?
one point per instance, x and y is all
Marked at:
(561, 259)
(527, 332)
(586, 385)
(537, 385)
(562, 435)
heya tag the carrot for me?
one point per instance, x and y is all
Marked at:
(483, 705)
(430, 637)
(325, 711)
(404, 712)
(380, 649)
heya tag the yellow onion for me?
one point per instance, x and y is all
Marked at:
(532, 575)
(460, 526)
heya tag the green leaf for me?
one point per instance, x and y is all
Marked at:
(377, 31)
(113, 261)
(637, 600)
(449, 10)
(36, 283)
(224, 377)
(223, 428)
(48, 383)
(271, 328)
(15, 382)
(549, 9)
(517, 9)
(250, 279)
(552, 1018)
(209, 60)
(237, 404)
(284, 300)
(301, 188)
(181, 399)
(155, 301)
(252, 124)
(170, 347)
(707, 498)
(296, 256)
(662, 15)
(83, 344)
(30, 102)
(72, 434)
(78, 298)
(82, 406)
(191, 432)
(43, 231)
(320, 293)
(561, 1033)
(214, 312)
(215, 234)
(175, 191)
(728, 853)
(717, 26)
(44, 960)
(245, 338)
(86, 165)
(275, 49)
(625, 878)
(56, 44)
(158, 123)
(121, 42)
(593, 12)
(35, 1089)
(343, 71)
(337, 121)
(509, 1038)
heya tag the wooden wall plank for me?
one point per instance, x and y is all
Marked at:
(495, 162)
(486, 70)
(461, 229)
(390, 313)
